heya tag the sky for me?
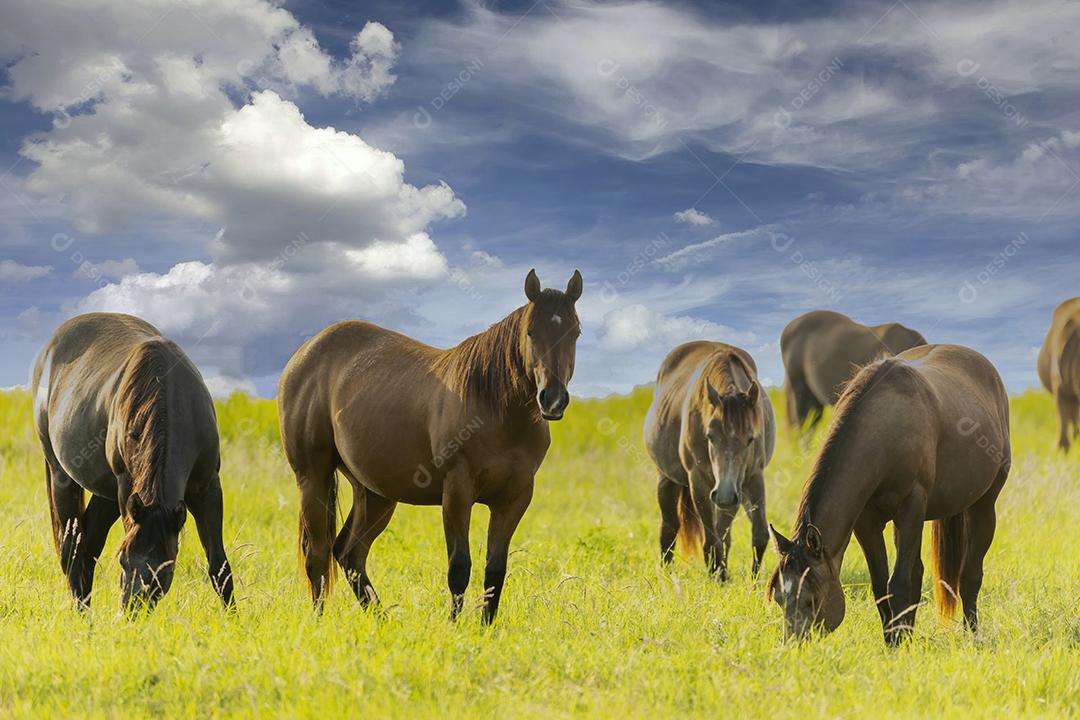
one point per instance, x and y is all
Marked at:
(244, 173)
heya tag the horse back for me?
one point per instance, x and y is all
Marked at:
(75, 384)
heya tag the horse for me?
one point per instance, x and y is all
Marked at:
(710, 430)
(406, 422)
(821, 351)
(923, 436)
(1059, 368)
(124, 415)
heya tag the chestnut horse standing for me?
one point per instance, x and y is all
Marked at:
(406, 422)
(922, 436)
(124, 415)
(711, 432)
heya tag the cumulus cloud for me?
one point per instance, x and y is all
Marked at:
(11, 271)
(693, 216)
(188, 113)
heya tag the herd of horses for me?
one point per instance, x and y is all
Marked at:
(920, 433)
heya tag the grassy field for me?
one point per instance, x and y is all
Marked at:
(590, 623)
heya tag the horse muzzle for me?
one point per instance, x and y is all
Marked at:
(552, 402)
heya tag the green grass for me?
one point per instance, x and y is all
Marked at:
(590, 623)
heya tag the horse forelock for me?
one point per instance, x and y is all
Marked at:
(489, 368)
(142, 414)
(735, 408)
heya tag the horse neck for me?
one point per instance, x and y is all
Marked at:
(846, 474)
(489, 367)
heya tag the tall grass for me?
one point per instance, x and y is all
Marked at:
(590, 623)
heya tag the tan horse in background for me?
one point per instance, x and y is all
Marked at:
(406, 422)
(920, 437)
(1059, 368)
(711, 432)
(822, 350)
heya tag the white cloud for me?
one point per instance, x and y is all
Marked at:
(222, 387)
(649, 77)
(11, 271)
(417, 258)
(695, 253)
(693, 216)
(636, 326)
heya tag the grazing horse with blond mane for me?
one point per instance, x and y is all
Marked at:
(711, 432)
(920, 437)
(123, 414)
(406, 422)
(1059, 368)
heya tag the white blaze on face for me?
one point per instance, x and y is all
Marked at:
(788, 585)
(556, 319)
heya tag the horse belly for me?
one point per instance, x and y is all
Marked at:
(393, 460)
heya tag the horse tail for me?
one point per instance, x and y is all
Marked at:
(792, 408)
(949, 540)
(691, 533)
(141, 416)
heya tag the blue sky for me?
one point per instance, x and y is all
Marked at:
(243, 174)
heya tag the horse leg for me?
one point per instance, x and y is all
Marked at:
(713, 547)
(206, 507)
(66, 507)
(1067, 409)
(506, 513)
(370, 515)
(98, 518)
(667, 494)
(318, 503)
(981, 522)
(868, 531)
(754, 506)
(905, 585)
(457, 501)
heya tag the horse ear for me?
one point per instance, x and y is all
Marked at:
(813, 539)
(714, 397)
(752, 393)
(783, 545)
(135, 507)
(573, 288)
(532, 286)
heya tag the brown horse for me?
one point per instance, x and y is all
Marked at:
(822, 350)
(922, 436)
(405, 422)
(711, 432)
(1059, 368)
(124, 415)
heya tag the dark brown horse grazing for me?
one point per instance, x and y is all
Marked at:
(405, 422)
(822, 350)
(711, 432)
(922, 436)
(123, 414)
(1059, 368)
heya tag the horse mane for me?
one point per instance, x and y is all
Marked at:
(488, 368)
(142, 418)
(847, 407)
